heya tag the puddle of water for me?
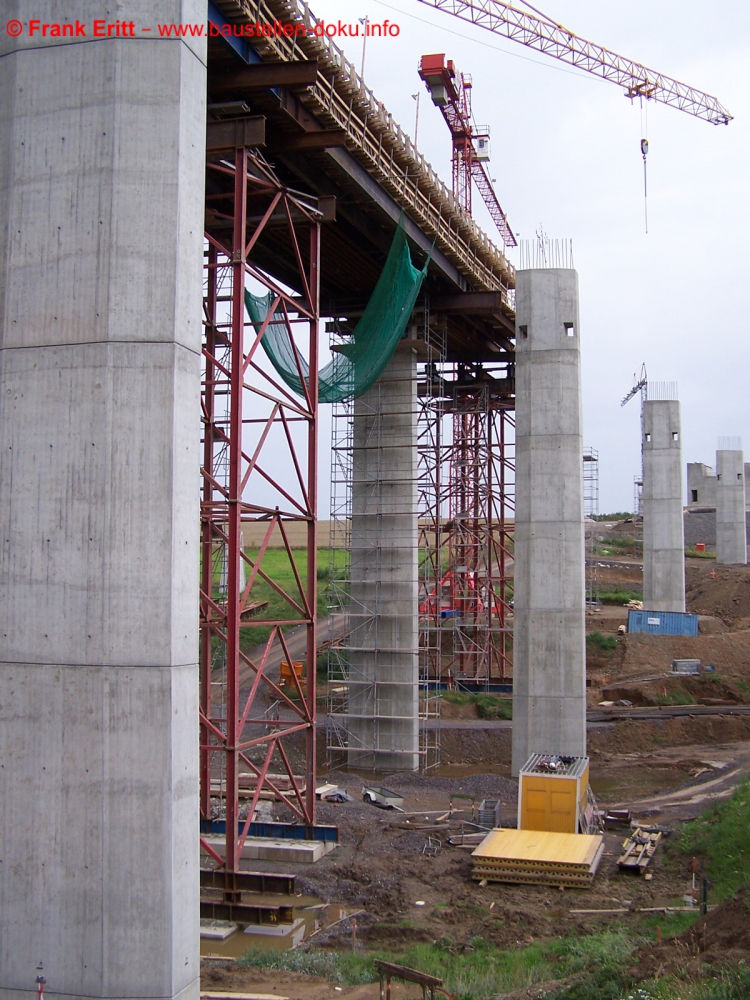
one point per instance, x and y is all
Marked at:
(635, 782)
(310, 915)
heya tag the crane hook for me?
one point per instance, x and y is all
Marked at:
(644, 153)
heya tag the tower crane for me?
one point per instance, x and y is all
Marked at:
(451, 92)
(640, 385)
(537, 31)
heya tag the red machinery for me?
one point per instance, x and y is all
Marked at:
(451, 92)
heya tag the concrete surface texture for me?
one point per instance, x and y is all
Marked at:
(663, 530)
(549, 675)
(731, 539)
(383, 710)
(101, 208)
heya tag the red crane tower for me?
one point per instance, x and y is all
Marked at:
(472, 587)
(451, 92)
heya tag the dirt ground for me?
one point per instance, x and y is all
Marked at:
(665, 770)
(721, 936)
(403, 896)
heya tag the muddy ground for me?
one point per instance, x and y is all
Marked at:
(665, 770)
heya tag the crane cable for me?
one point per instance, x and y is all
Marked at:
(644, 153)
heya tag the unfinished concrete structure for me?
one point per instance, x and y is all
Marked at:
(701, 485)
(663, 530)
(100, 317)
(701, 480)
(383, 669)
(731, 540)
(549, 672)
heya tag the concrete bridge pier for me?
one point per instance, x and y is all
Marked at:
(549, 646)
(101, 220)
(663, 527)
(731, 536)
(383, 613)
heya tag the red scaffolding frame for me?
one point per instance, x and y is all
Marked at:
(259, 468)
(466, 613)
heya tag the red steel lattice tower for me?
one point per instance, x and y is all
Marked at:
(259, 472)
(466, 611)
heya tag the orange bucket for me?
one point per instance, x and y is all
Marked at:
(285, 671)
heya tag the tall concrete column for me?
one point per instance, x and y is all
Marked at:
(383, 657)
(731, 538)
(663, 528)
(549, 638)
(101, 208)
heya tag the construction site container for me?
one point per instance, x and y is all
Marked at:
(663, 622)
(686, 667)
(552, 793)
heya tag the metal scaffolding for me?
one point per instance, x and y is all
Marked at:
(360, 706)
(466, 611)
(259, 469)
(590, 512)
(465, 476)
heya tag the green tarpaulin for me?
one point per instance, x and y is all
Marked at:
(360, 362)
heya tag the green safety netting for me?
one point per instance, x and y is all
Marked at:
(360, 362)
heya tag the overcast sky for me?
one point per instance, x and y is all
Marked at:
(566, 155)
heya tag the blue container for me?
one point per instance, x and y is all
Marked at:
(279, 831)
(663, 622)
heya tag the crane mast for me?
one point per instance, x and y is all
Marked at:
(451, 92)
(544, 35)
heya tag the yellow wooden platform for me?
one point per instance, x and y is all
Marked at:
(541, 847)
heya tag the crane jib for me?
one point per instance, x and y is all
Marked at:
(553, 39)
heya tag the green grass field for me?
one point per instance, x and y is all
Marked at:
(489, 706)
(721, 839)
(620, 596)
(277, 566)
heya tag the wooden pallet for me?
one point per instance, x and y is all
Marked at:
(637, 851)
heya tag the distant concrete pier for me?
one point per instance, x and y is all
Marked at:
(731, 539)
(549, 658)
(663, 529)
(101, 223)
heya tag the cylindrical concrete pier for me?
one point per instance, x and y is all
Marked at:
(663, 529)
(731, 538)
(549, 659)
(101, 220)
(383, 709)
